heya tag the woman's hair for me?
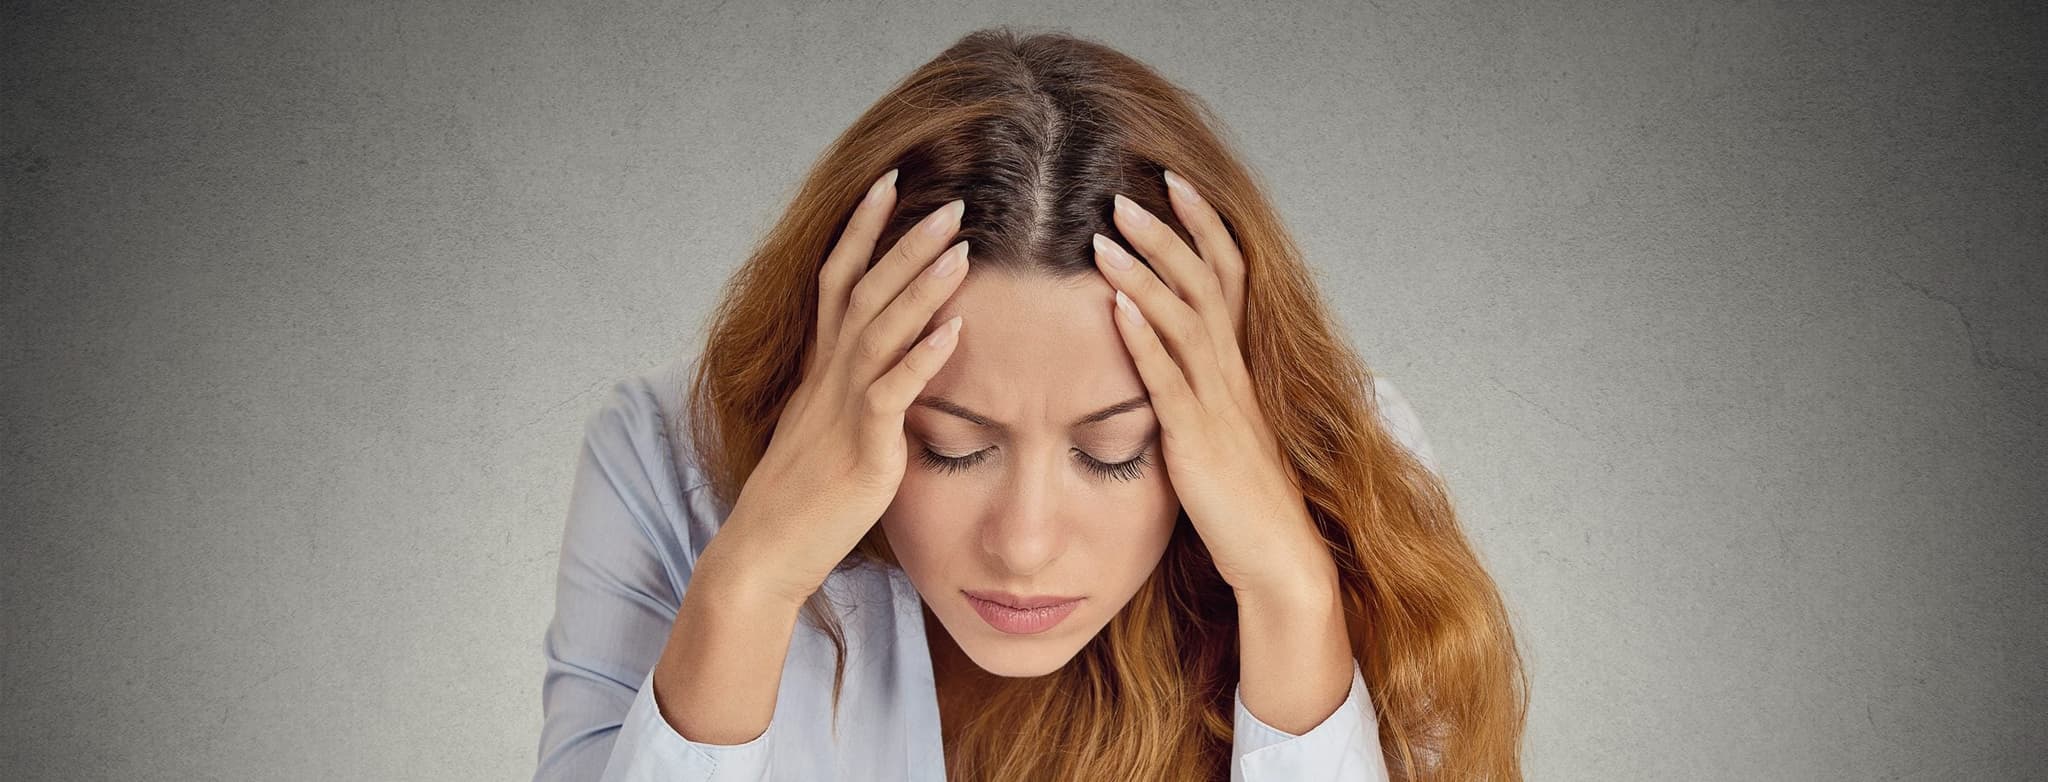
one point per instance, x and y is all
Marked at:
(1037, 133)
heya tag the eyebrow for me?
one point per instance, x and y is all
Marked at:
(950, 407)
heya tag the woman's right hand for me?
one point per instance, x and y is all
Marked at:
(838, 452)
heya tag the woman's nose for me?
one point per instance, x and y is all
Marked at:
(1026, 532)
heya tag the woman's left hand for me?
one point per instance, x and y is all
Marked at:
(1221, 454)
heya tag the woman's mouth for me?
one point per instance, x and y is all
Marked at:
(1022, 621)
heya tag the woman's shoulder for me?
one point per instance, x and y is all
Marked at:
(644, 411)
(1399, 417)
(669, 385)
(639, 437)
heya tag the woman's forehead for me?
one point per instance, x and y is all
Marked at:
(1035, 350)
(1010, 321)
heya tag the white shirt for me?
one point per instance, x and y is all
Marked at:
(638, 517)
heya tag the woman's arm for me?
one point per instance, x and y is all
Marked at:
(1302, 714)
(1288, 646)
(1294, 659)
(634, 544)
(726, 650)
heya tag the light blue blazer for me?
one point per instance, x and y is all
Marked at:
(640, 512)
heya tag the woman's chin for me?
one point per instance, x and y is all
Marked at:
(1018, 664)
(1021, 656)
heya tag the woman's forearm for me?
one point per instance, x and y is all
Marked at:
(718, 675)
(1294, 661)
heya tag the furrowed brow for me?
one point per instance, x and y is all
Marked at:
(952, 408)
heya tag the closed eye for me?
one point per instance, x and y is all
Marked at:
(1127, 470)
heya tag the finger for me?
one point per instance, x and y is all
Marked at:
(1219, 249)
(1167, 387)
(1189, 276)
(1186, 273)
(895, 330)
(891, 394)
(1179, 327)
(1214, 243)
(911, 254)
(848, 259)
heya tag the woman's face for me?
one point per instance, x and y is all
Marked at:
(1027, 511)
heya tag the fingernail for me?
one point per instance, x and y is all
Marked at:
(947, 218)
(1129, 309)
(943, 335)
(1130, 209)
(949, 261)
(882, 185)
(1174, 181)
(1114, 254)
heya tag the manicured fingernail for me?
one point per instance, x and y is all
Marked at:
(1131, 210)
(1174, 181)
(1129, 309)
(1114, 254)
(943, 335)
(946, 218)
(881, 186)
(950, 261)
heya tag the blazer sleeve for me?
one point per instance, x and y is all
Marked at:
(628, 546)
(1346, 745)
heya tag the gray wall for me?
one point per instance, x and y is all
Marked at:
(1728, 325)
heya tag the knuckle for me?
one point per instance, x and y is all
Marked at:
(914, 367)
(875, 400)
(870, 347)
(897, 253)
(926, 294)
(862, 301)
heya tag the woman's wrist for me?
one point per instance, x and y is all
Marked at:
(748, 572)
(718, 674)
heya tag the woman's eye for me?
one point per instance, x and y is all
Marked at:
(1128, 470)
(950, 464)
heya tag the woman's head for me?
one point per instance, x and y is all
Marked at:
(1034, 470)
(1036, 134)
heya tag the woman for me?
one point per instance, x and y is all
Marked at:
(1031, 453)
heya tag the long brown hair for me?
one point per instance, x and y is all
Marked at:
(1037, 133)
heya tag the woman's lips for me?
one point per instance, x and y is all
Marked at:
(1020, 602)
(1016, 621)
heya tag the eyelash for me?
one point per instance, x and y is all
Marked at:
(1121, 471)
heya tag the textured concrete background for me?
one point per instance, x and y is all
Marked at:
(1727, 323)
